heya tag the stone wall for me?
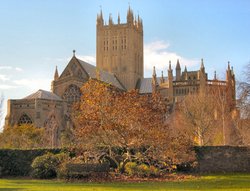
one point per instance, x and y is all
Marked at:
(223, 159)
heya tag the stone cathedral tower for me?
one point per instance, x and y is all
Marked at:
(119, 48)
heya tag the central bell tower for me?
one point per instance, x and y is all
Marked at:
(119, 48)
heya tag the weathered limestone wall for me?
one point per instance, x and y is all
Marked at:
(223, 159)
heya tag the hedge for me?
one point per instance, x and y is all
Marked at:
(16, 162)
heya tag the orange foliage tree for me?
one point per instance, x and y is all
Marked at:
(109, 118)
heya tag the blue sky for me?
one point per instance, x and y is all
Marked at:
(37, 35)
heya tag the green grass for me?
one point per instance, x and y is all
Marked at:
(228, 182)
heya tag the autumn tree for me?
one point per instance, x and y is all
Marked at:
(226, 114)
(244, 93)
(22, 137)
(1, 107)
(244, 104)
(109, 118)
(195, 114)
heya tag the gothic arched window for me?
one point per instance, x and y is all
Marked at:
(24, 119)
(72, 94)
(52, 130)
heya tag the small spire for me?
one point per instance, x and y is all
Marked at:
(232, 70)
(202, 63)
(56, 76)
(169, 67)
(154, 81)
(228, 65)
(215, 76)
(74, 53)
(162, 77)
(178, 66)
(119, 20)
(100, 17)
(185, 70)
(154, 72)
(101, 12)
(130, 17)
(110, 19)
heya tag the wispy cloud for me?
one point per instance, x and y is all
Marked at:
(11, 68)
(157, 54)
(5, 67)
(18, 69)
(4, 78)
(6, 87)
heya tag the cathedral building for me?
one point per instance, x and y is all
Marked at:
(119, 62)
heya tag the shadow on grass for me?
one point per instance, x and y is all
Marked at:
(10, 189)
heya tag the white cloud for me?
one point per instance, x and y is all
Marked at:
(18, 69)
(6, 87)
(157, 54)
(5, 67)
(4, 77)
(11, 68)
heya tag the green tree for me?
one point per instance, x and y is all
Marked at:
(23, 137)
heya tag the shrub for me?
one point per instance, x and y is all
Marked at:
(141, 170)
(17, 162)
(45, 166)
(131, 168)
(62, 170)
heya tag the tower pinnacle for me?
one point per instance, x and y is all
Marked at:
(56, 76)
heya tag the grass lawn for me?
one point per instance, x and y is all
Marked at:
(207, 182)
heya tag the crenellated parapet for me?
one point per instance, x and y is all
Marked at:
(133, 21)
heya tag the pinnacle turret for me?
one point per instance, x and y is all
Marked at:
(178, 70)
(110, 20)
(169, 66)
(100, 18)
(178, 66)
(202, 64)
(202, 69)
(119, 20)
(56, 75)
(130, 16)
(154, 72)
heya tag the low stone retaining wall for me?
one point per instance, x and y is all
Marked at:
(223, 159)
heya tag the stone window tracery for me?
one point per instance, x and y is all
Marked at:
(72, 94)
(24, 119)
(52, 130)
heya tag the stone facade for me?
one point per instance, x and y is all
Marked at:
(175, 88)
(51, 110)
(119, 48)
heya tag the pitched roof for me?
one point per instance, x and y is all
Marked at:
(146, 85)
(42, 94)
(104, 76)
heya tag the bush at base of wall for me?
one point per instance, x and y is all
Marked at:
(15, 162)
